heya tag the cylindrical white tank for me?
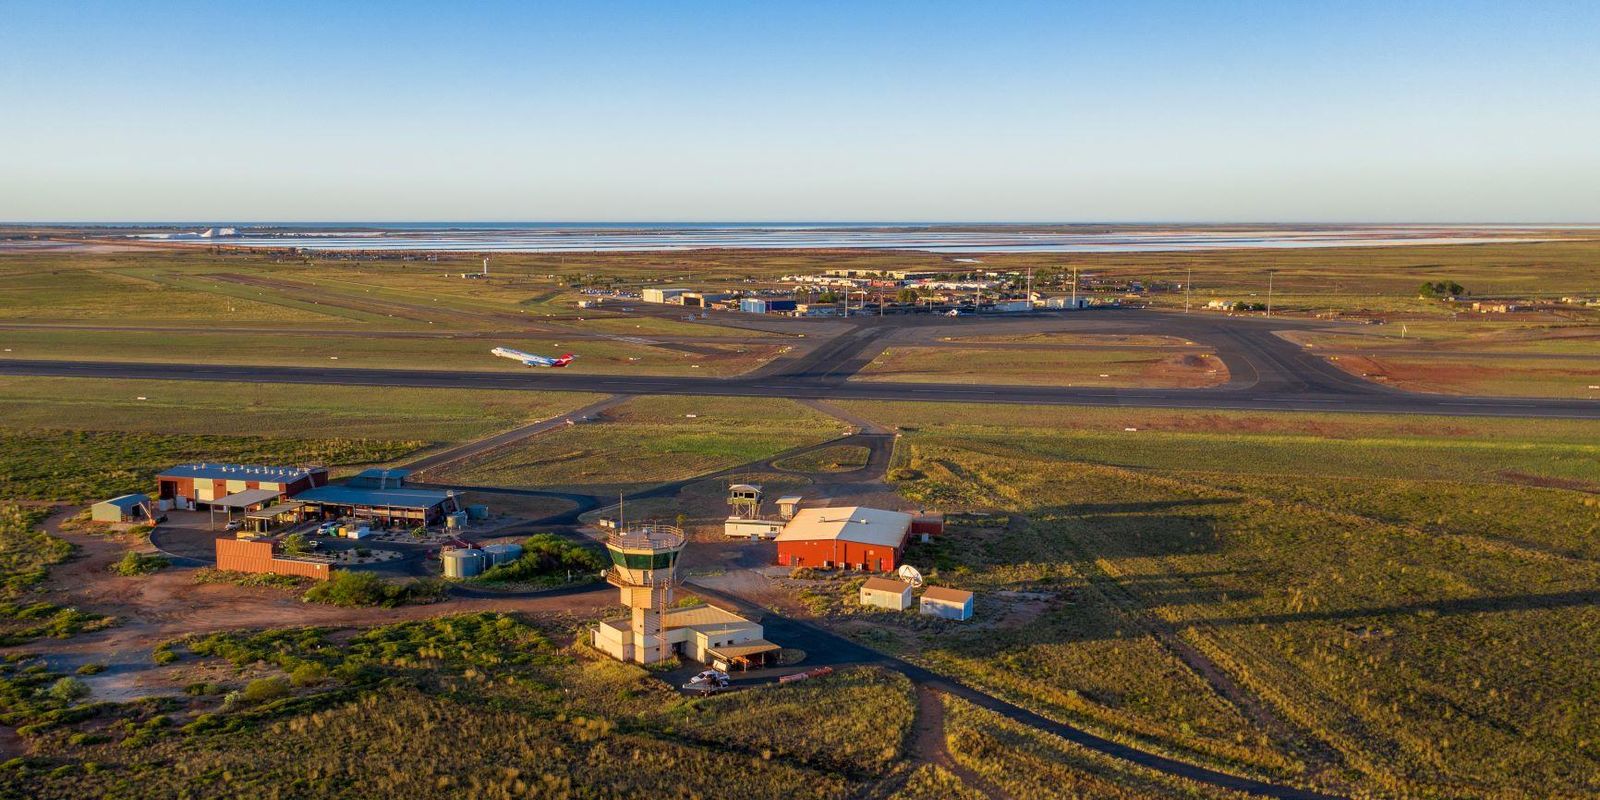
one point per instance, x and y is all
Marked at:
(502, 553)
(463, 563)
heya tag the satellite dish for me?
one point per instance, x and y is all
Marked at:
(910, 575)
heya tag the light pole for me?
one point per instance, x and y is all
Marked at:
(1269, 292)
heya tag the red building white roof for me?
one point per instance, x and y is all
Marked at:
(872, 526)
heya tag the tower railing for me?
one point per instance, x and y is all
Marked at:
(647, 536)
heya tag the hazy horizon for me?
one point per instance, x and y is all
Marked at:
(745, 223)
(1029, 113)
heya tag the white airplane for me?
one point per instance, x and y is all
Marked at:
(531, 360)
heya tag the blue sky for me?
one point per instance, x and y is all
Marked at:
(1063, 111)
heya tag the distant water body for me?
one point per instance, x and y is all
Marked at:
(657, 237)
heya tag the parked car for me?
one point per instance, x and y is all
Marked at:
(233, 525)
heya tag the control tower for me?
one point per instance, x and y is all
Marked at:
(644, 561)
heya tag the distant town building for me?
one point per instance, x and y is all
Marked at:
(662, 295)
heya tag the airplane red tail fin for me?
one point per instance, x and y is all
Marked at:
(565, 359)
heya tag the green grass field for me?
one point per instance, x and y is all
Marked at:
(273, 410)
(84, 466)
(842, 458)
(651, 440)
(85, 439)
(596, 356)
(1411, 605)
(1044, 367)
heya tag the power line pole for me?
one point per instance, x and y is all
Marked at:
(1188, 289)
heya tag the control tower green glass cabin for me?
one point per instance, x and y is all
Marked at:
(644, 561)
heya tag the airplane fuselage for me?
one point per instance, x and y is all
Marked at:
(531, 359)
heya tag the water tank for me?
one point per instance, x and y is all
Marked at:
(466, 563)
(456, 519)
(478, 512)
(502, 553)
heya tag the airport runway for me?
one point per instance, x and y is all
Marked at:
(1267, 372)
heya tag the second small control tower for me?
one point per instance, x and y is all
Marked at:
(644, 562)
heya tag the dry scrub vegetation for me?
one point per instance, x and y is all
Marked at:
(1029, 765)
(1423, 629)
(26, 554)
(473, 705)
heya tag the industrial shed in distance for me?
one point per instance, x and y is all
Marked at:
(850, 537)
(127, 508)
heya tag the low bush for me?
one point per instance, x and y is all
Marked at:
(135, 563)
(308, 674)
(261, 690)
(211, 575)
(359, 589)
(164, 654)
(69, 689)
(546, 555)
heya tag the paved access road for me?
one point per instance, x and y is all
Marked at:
(1266, 371)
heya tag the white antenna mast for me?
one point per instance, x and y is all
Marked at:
(486, 267)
